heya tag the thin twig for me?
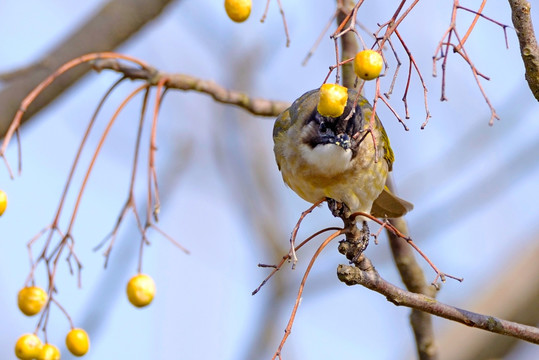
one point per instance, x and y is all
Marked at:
(130, 202)
(288, 329)
(296, 228)
(477, 15)
(287, 257)
(319, 39)
(394, 230)
(285, 25)
(97, 150)
(45, 83)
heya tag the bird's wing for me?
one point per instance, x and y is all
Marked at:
(388, 205)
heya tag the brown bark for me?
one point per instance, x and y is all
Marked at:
(521, 16)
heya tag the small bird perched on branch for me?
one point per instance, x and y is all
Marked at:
(323, 151)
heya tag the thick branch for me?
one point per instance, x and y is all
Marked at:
(367, 276)
(256, 106)
(521, 14)
(116, 22)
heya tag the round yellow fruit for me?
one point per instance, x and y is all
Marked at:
(77, 342)
(3, 202)
(238, 10)
(49, 352)
(28, 347)
(140, 290)
(368, 64)
(333, 100)
(31, 300)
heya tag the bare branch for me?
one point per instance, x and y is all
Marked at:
(256, 106)
(367, 276)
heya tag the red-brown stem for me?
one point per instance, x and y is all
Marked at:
(288, 329)
(477, 15)
(333, 67)
(152, 173)
(54, 225)
(393, 24)
(296, 228)
(285, 25)
(71, 325)
(130, 202)
(394, 112)
(169, 238)
(39, 88)
(98, 149)
(390, 91)
(396, 231)
(493, 114)
(412, 61)
(287, 257)
(351, 15)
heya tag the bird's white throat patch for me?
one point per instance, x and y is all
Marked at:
(328, 159)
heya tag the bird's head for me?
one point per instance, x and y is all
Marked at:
(327, 143)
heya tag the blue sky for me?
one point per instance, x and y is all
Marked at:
(474, 187)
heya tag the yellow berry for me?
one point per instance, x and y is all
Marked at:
(140, 290)
(368, 64)
(77, 342)
(333, 100)
(31, 300)
(238, 10)
(3, 202)
(49, 352)
(28, 347)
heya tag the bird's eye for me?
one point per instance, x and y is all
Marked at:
(323, 127)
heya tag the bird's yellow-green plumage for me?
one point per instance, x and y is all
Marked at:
(324, 157)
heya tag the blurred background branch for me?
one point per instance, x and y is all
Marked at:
(111, 26)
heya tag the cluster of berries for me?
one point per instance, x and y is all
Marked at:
(32, 299)
(333, 97)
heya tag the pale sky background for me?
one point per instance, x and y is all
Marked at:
(474, 187)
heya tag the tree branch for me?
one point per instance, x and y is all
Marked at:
(116, 22)
(256, 106)
(521, 15)
(366, 275)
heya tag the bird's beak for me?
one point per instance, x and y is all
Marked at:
(343, 140)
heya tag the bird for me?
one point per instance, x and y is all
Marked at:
(342, 158)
